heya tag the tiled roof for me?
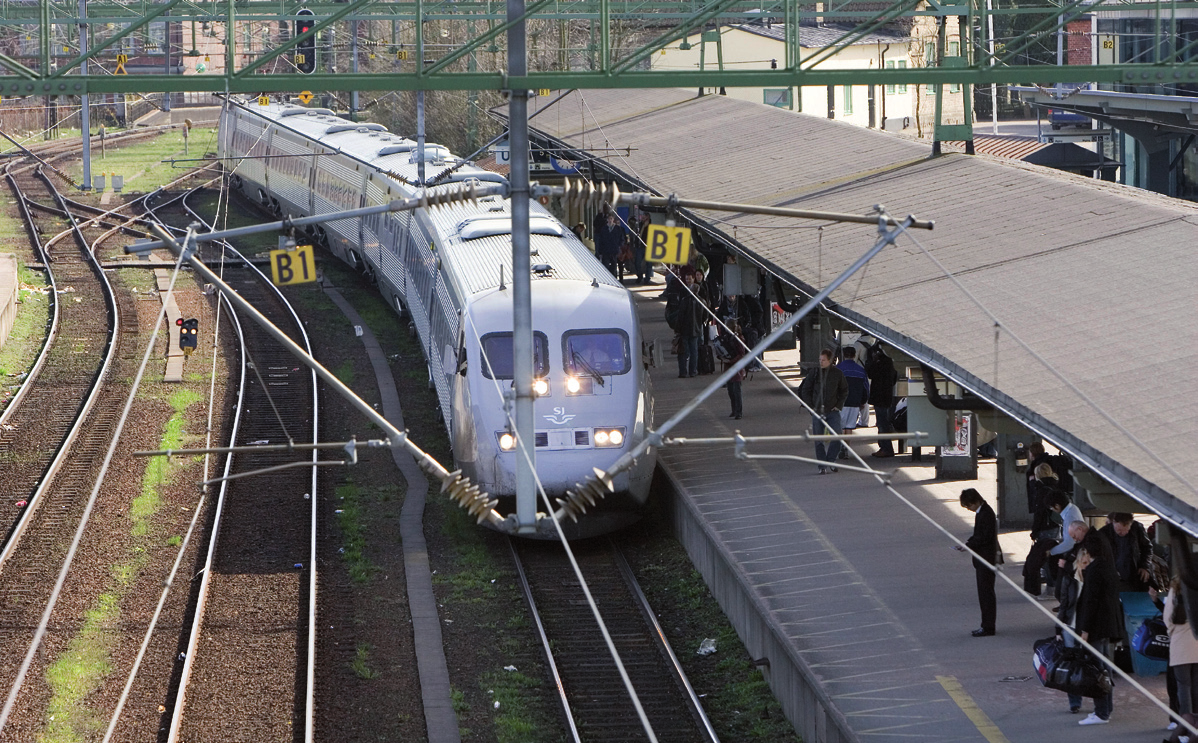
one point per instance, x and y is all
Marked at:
(1097, 279)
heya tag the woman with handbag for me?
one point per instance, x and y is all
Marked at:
(1183, 655)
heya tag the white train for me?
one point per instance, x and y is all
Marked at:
(446, 269)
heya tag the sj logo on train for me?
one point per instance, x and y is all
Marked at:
(668, 245)
(293, 266)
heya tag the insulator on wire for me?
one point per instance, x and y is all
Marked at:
(586, 193)
(584, 494)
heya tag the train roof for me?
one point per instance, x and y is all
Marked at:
(476, 236)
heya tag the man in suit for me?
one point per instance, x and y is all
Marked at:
(983, 541)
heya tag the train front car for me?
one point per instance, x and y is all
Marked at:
(593, 400)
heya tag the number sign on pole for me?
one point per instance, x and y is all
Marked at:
(292, 266)
(668, 245)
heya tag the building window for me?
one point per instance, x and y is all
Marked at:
(900, 88)
(930, 61)
(848, 100)
(779, 97)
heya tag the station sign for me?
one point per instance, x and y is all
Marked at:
(296, 266)
(668, 245)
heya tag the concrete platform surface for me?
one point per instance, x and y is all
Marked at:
(863, 586)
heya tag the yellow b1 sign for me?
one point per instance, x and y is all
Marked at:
(668, 245)
(292, 266)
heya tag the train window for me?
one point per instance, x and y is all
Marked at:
(603, 352)
(497, 355)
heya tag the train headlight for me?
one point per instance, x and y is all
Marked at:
(507, 442)
(608, 437)
(540, 387)
(572, 385)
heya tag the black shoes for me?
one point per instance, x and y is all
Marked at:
(880, 453)
(979, 632)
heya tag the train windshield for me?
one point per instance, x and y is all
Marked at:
(602, 352)
(497, 355)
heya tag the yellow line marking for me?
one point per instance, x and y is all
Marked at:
(975, 714)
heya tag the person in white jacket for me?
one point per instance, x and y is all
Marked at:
(1183, 655)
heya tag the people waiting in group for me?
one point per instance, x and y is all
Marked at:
(1045, 534)
(609, 238)
(824, 390)
(984, 542)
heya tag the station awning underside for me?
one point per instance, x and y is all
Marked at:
(1097, 281)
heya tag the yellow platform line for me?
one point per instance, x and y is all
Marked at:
(975, 714)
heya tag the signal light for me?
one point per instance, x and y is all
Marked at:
(188, 334)
(305, 51)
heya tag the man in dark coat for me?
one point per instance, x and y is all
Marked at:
(690, 328)
(609, 237)
(1097, 619)
(983, 541)
(825, 390)
(1132, 548)
(882, 378)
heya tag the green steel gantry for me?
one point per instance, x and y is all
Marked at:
(40, 44)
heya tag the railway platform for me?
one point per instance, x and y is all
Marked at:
(856, 607)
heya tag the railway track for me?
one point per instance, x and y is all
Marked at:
(247, 673)
(596, 703)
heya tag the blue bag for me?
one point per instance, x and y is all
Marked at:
(1152, 639)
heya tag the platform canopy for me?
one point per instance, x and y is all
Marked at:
(1095, 284)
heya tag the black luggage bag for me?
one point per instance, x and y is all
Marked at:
(1071, 670)
(706, 359)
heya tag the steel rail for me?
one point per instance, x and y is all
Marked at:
(56, 464)
(310, 692)
(664, 645)
(55, 307)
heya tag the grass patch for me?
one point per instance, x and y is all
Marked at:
(29, 329)
(174, 541)
(345, 372)
(142, 163)
(353, 531)
(360, 665)
(82, 668)
(514, 719)
(78, 672)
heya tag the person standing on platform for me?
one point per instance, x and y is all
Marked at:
(690, 328)
(734, 348)
(825, 390)
(1097, 618)
(1069, 514)
(858, 397)
(983, 541)
(1129, 541)
(1183, 655)
(609, 238)
(882, 378)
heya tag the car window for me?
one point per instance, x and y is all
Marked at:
(603, 352)
(497, 355)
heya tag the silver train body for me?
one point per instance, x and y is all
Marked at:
(445, 268)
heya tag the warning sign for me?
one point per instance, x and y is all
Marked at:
(668, 245)
(121, 59)
(305, 96)
(293, 266)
